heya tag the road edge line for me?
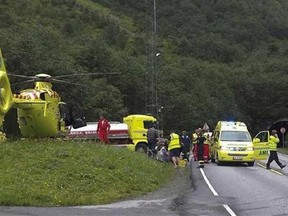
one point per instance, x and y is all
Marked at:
(231, 212)
(272, 170)
(208, 183)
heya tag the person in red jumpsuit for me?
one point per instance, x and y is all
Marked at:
(103, 128)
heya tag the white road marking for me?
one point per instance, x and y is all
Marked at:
(229, 210)
(215, 193)
(272, 170)
(124, 204)
(208, 183)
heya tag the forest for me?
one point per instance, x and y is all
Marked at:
(186, 62)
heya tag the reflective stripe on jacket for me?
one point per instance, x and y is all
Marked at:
(273, 143)
(174, 142)
(194, 138)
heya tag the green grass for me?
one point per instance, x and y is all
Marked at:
(62, 173)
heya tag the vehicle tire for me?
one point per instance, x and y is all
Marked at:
(141, 147)
(251, 164)
(219, 163)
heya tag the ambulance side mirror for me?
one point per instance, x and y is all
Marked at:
(256, 140)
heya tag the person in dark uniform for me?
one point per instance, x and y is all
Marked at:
(200, 148)
(185, 145)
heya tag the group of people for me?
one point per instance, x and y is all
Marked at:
(182, 146)
(177, 147)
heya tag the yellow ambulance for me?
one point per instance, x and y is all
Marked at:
(231, 142)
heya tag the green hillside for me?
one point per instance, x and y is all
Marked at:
(219, 59)
(62, 173)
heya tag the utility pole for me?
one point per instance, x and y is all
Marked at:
(152, 94)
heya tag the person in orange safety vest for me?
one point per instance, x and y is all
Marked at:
(103, 128)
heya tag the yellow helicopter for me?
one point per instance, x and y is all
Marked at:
(40, 111)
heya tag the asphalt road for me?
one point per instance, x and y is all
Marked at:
(240, 190)
(232, 190)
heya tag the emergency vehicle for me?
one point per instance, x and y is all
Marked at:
(261, 145)
(232, 142)
(131, 133)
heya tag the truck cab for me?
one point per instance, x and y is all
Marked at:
(137, 131)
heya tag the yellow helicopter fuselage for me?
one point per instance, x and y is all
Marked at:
(38, 112)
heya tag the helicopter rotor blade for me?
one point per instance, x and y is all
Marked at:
(86, 74)
(62, 81)
(22, 76)
(27, 81)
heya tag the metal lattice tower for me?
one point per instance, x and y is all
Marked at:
(151, 73)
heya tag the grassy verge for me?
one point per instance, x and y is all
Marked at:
(50, 173)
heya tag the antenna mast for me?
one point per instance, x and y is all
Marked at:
(151, 92)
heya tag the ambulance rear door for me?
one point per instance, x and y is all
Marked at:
(261, 146)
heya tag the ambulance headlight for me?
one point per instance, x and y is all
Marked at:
(223, 148)
(250, 148)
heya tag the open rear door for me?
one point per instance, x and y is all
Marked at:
(261, 146)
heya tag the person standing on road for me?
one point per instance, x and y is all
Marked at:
(103, 128)
(174, 148)
(185, 145)
(200, 148)
(273, 140)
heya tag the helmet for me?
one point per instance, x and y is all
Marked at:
(274, 131)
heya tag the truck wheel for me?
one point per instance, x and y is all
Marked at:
(141, 147)
(251, 163)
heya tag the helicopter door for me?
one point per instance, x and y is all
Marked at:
(77, 118)
(65, 113)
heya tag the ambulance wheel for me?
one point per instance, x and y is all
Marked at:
(251, 164)
(141, 147)
(219, 163)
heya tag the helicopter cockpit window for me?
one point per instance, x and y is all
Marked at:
(42, 96)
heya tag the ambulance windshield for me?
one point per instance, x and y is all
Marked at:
(242, 136)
